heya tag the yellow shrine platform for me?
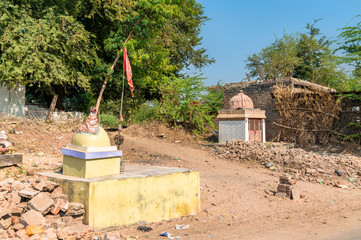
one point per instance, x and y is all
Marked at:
(140, 194)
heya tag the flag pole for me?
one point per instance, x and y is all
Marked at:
(120, 114)
(115, 62)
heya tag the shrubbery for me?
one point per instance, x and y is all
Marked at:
(184, 102)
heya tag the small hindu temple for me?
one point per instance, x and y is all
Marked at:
(239, 120)
(113, 195)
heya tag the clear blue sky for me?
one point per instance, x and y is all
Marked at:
(239, 28)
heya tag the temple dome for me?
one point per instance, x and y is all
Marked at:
(241, 100)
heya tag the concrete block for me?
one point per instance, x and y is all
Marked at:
(295, 194)
(281, 194)
(75, 209)
(33, 217)
(41, 203)
(140, 194)
(11, 159)
(28, 193)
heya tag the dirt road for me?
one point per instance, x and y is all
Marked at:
(238, 203)
(236, 198)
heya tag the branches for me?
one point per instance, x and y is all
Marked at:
(306, 117)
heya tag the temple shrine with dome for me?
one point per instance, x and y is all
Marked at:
(241, 121)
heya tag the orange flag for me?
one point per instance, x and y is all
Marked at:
(128, 70)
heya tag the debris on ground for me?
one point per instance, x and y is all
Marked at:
(144, 229)
(304, 165)
(181, 227)
(38, 207)
(5, 145)
(286, 188)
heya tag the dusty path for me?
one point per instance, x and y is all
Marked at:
(237, 202)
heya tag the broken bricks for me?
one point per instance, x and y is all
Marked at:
(286, 187)
(38, 202)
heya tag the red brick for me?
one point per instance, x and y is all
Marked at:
(56, 208)
(57, 190)
(15, 220)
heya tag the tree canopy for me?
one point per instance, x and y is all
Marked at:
(49, 43)
(306, 56)
(350, 47)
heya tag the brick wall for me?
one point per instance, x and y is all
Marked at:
(261, 95)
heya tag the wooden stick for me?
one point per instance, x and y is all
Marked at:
(311, 110)
(114, 63)
(305, 130)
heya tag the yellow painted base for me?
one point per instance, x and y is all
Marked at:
(90, 168)
(141, 194)
(101, 139)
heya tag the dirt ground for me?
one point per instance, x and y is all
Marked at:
(237, 199)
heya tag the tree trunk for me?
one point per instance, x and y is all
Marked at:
(114, 63)
(52, 107)
(60, 91)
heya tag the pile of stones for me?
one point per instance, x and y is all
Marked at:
(286, 188)
(308, 166)
(37, 208)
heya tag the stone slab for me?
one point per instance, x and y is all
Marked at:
(90, 155)
(142, 194)
(11, 159)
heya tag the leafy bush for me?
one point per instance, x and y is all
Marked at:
(109, 121)
(147, 112)
(189, 102)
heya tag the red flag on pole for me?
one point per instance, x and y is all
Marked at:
(128, 70)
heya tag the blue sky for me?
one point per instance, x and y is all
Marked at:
(239, 28)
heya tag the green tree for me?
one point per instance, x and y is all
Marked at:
(278, 60)
(188, 102)
(307, 56)
(318, 63)
(50, 50)
(350, 46)
(72, 44)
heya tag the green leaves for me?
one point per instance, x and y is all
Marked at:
(52, 50)
(307, 56)
(188, 102)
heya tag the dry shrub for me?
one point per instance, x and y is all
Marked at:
(305, 117)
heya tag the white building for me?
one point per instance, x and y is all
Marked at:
(12, 101)
(241, 121)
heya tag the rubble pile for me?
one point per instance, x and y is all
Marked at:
(286, 187)
(38, 209)
(308, 166)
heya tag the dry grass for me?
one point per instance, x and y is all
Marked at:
(305, 117)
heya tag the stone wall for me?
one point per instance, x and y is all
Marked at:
(12, 101)
(39, 113)
(261, 95)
